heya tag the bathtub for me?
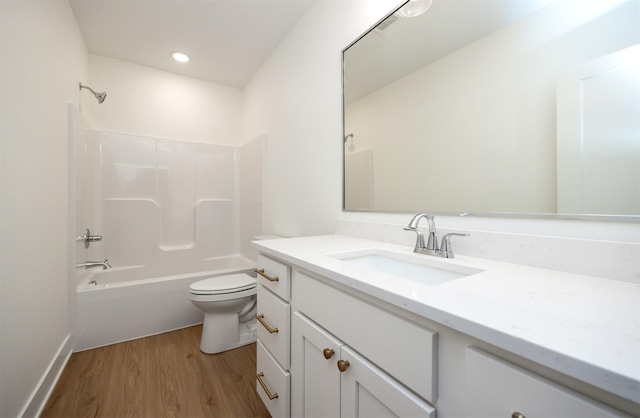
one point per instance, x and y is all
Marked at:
(125, 303)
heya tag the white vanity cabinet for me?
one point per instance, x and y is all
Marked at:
(340, 347)
(400, 363)
(330, 379)
(497, 388)
(274, 340)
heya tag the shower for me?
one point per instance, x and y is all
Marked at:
(99, 96)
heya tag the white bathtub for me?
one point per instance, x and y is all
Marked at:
(136, 301)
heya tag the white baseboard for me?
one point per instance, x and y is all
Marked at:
(41, 393)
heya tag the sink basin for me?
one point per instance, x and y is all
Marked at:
(418, 268)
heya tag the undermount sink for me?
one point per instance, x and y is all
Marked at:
(418, 268)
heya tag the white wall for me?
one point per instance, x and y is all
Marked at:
(43, 59)
(148, 102)
(296, 99)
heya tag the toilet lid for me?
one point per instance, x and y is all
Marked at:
(223, 284)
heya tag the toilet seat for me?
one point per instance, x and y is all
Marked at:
(220, 285)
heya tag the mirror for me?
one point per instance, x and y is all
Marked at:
(496, 106)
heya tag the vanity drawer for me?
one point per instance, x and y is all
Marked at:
(272, 383)
(274, 313)
(406, 351)
(275, 276)
(498, 388)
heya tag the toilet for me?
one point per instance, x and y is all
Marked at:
(229, 305)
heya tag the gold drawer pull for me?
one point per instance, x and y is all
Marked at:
(517, 415)
(266, 276)
(328, 353)
(267, 391)
(342, 365)
(260, 319)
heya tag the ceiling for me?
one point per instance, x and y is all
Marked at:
(227, 40)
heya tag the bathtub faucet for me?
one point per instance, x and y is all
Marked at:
(89, 264)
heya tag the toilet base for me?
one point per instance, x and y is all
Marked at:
(222, 332)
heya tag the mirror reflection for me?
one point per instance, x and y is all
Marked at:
(494, 106)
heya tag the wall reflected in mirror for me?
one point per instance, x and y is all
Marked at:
(494, 106)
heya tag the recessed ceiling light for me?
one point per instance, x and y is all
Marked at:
(180, 57)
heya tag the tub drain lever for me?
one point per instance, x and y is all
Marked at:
(88, 238)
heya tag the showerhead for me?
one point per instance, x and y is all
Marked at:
(99, 96)
(352, 147)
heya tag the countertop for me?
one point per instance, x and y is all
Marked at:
(585, 327)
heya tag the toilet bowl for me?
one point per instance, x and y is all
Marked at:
(229, 305)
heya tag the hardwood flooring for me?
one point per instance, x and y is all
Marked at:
(164, 375)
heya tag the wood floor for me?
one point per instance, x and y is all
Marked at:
(164, 375)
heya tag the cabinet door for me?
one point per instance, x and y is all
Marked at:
(496, 388)
(367, 391)
(316, 379)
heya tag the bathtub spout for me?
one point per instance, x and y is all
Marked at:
(89, 264)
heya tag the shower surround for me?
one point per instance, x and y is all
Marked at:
(155, 199)
(165, 208)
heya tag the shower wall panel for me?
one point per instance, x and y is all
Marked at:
(130, 232)
(251, 175)
(176, 194)
(215, 228)
(163, 198)
(85, 141)
(128, 167)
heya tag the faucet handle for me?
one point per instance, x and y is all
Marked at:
(87, 238)
(445, 248)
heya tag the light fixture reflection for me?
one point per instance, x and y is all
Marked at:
(180, 57)
(414, 8)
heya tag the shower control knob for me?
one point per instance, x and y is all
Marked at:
(88, 238)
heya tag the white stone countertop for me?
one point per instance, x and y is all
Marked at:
(585, 327)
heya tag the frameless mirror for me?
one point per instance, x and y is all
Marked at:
(496, 106)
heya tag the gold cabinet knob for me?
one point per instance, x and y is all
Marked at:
(342, 365)
(328, 353)
(517, 415)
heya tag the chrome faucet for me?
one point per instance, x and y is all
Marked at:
(90, 264)
(432, 242)
(431, 247)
